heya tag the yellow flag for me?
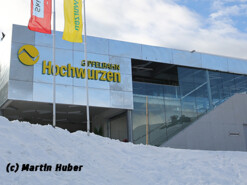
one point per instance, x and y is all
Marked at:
(73, 20)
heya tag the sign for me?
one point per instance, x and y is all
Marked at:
(29, 55)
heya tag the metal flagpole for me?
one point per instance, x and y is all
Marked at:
(85, 53)
(54, 65)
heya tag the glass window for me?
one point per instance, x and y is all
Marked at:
(241, 83)
(216, 86)
(139, 120)
(171, 108)
(202, 100)
(224, 85)
(173, 116)
(194, 93)
(156, 118)
(228, 84)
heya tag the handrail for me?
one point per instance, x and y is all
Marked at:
(164, 125)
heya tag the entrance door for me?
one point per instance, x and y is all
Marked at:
(118, 125)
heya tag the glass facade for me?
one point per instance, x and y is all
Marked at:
(169, 109)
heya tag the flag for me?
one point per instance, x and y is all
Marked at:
(73, 20)
(40, 20)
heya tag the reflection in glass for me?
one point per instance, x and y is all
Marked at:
(172, 108)
(139, 119)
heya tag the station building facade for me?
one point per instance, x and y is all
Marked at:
(137, 93)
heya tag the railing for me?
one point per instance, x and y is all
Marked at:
(165, 131)
(161, 139)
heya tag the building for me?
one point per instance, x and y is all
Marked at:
(138, 93)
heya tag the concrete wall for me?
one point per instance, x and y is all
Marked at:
(221, 129)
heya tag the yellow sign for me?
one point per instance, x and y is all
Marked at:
(28, 55)
(70, 71)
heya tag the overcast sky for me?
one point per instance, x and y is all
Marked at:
(209, 26)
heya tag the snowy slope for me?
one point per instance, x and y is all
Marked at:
(107, 161)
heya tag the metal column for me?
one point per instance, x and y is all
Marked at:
(209, 90)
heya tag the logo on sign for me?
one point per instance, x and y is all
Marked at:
(28, 55)
(102, 71)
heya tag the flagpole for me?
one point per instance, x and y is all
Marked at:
(85, 53)
(54, 64)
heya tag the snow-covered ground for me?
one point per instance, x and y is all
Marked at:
(107, 161)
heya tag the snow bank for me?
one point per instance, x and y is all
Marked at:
(107, 161)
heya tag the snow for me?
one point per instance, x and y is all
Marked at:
(107, 161)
